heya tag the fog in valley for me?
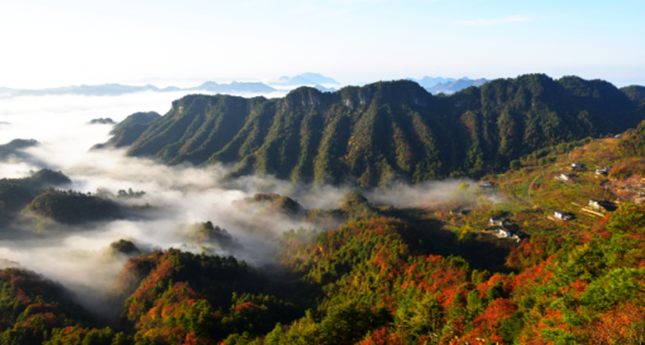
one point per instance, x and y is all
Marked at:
(175, 197)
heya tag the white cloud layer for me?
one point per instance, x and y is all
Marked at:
(74, 255)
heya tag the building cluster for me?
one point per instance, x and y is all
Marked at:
(595, 207)
(504, 229)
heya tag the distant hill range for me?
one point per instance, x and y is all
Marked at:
(455, 86)
(309, 79)
(119, 89)
(428, 82)
(448, 85)
(386, 131)
(246, 87)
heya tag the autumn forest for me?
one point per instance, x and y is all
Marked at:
(509, 213)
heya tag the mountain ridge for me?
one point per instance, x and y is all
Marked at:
(386, 131)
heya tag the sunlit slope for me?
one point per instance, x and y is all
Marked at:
(386, 131)
(546, 183)
(636, 93)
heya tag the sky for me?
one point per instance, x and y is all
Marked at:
(66, 42)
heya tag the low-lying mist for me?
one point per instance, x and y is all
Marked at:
(175, 197)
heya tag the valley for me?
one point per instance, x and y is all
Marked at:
(126, 243)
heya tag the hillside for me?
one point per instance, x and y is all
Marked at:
(136, 118)
(387, 131)
(635, 93)
(127, 131)
(71, 207)
(438, 273)
(13, 148)
(34, 310)
(16, 193)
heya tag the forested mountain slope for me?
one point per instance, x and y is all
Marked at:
(437, 273)
(386, 131)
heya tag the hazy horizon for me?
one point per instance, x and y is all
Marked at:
(281, 90)
(353, 41)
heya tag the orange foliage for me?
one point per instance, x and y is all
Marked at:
(536, 275)
(532, 252)
(382, 337)
(621, 325)
(485, 286)
(192, 339)
(434, 274)
(488, 324)
(244, 307)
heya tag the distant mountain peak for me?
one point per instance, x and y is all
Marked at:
(252, 87)
(307, 78)
(447, 85)
(456, 85)
(427, 82)
(208, 84)
(318, 78)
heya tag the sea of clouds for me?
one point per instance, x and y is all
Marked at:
(179, 194)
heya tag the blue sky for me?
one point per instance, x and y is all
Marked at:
(48, 43)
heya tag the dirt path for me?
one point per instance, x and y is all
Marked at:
(531, 186)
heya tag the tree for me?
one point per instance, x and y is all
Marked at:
(463, 187)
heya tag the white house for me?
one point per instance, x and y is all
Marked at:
(577, 166)
(562, 215)
(502, 233)
(594, 203)
(602, 205)
(563, 178)
(496, 221)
